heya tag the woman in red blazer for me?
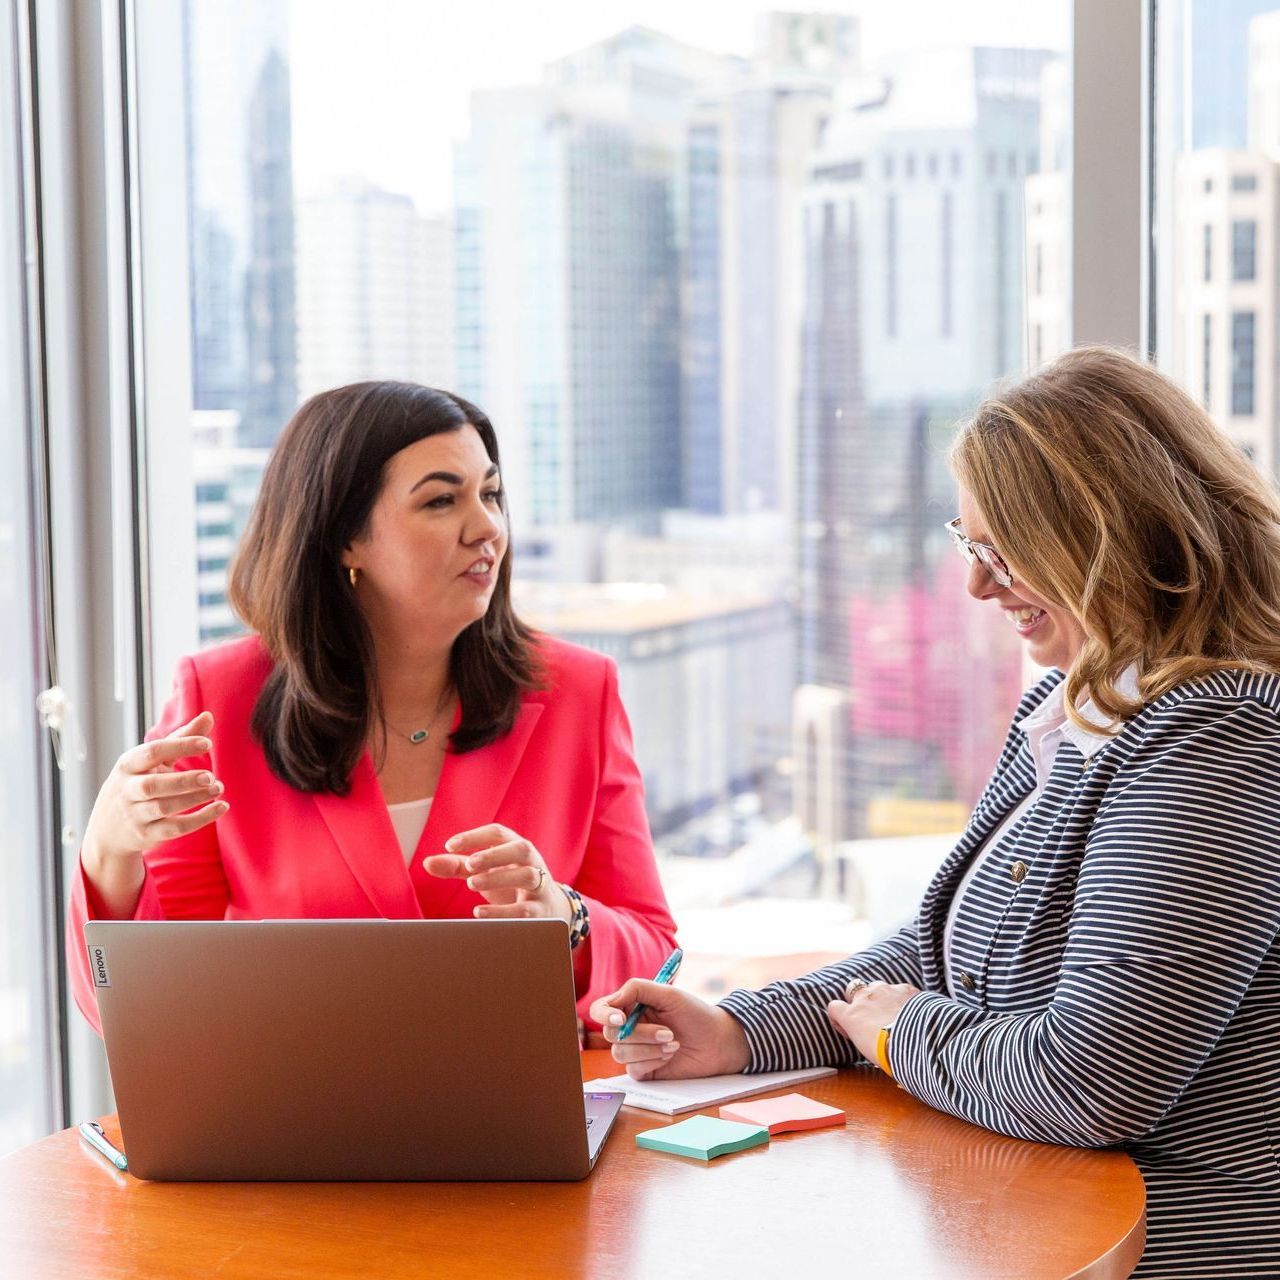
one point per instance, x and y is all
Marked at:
(392, 741)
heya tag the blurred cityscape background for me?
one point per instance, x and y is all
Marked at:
(724, 310)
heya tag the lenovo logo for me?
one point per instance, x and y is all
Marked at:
(98, 963)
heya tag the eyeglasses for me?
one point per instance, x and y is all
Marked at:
(985, 554)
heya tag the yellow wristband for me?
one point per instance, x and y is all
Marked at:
(882, 1050)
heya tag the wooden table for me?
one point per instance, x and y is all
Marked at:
(901, 1191)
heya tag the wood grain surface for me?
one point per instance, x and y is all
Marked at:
(901, 1191)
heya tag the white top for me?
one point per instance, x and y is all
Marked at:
(410, 820)
(1046, 728)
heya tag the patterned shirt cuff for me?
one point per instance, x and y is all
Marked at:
(787, 1034)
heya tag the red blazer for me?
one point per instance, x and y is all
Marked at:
(564, 777)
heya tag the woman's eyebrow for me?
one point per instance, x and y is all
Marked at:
(451, 477)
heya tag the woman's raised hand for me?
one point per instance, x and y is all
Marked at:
(679, 1037)
(506, 870)
(146, 801)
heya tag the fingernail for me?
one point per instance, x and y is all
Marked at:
(223, 806)
(204, 779)
(218, 788)
(670, 1048)
(471, 882)
(471, 864)
(451, 843)
(203, 745)
(616, 1019)
(663, 1036)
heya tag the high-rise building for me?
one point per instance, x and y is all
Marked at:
(241, 209)
(1224, 339)
(913, 309)
(706, 681)
(272, 329)
(749, 149)
(227, 477)
(1048, 218)
(1225, 282)
(568, 282)
(375, 290)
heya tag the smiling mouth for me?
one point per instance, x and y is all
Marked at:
(1024, 617)
(479, 569)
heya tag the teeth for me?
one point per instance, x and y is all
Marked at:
(1023, 617)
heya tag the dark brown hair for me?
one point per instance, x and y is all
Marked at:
(315, 712)
(1109, 490)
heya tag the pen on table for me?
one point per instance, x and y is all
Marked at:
(92, 1133)
(664, 975)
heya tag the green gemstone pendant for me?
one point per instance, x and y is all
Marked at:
(418, 735)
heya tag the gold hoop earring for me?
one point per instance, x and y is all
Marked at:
(354, 574)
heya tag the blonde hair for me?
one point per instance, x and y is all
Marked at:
(1111, 492)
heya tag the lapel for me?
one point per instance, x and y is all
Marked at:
(362, 830)
(469, 794)
(1004, 796)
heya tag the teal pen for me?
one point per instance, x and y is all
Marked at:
(664, 975)
(92, 1133)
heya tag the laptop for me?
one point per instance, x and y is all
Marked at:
(346, 1050)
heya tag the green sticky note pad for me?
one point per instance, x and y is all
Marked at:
(703, 1137)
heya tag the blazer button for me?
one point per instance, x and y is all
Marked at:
(967, 982)
(1018, 872)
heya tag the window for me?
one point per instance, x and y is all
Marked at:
(28, 1075)
(1001, 326)
(1242, 363)
(946, 268)
(1244, 182)
(1206, 361)
(711, 323)
(1208, 252)
(1244, 242)
(891, 266)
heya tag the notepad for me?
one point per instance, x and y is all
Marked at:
(672, 1097)
(703, 1137)
(791, 1112)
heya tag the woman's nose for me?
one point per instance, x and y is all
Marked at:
(980, 584)
(485, 524)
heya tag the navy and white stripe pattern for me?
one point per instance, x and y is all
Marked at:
(1126, 989)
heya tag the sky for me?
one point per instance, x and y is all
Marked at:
(381, 87)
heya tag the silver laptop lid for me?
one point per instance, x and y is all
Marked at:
(342, 1049)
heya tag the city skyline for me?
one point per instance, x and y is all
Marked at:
(406, 99)
(714, 301)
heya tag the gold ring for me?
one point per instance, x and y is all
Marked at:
(852, 988)
(542, 875)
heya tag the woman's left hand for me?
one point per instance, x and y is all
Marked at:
(873, 1006)
(506, 870)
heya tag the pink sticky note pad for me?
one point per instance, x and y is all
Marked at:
(782, 1115)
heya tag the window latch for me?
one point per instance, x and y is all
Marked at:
(58, 715)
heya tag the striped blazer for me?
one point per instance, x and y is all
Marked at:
(1123, 987)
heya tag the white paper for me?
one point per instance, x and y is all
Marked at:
(671, 1097)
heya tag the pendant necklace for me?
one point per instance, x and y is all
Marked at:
(419, 736)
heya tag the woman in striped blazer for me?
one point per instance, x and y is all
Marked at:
(1097, 961)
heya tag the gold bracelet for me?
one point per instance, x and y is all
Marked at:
(882, 1050)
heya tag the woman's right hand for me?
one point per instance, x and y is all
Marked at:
(144, 801)
(679, 1036)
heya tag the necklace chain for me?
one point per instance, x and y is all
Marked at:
(418, 736)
